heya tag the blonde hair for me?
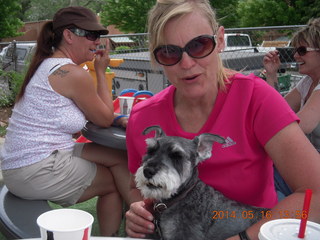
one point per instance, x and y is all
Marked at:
(310, 34)
(164, 10)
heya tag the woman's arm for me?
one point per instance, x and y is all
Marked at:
(299, 164)
(310, 113)
(293, 98)
(80, 88)
(101, 63)
(138, 218)
(73, 82)
(271, 62)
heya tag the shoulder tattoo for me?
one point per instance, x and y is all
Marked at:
(60, 72)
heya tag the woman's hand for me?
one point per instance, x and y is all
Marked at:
(123, 122)
(139, 220)
(102, 59)
(120, 120)
(271, 62)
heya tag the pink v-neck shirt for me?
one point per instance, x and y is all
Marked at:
(247, 114)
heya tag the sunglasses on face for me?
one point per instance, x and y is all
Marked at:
(90, 35)
(303, 50)
(198, 47)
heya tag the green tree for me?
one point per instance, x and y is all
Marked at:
(25, 5)
(131, 15)
(127, 15)
(226, 11)
(38, 9)
(254, 13)
(9, 21)
(265, 13)
(307, 9)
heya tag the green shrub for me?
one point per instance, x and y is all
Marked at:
(15, 82)
(122, 49)
(3, 132)
(5, 100)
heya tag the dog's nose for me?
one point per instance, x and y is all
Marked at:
(149, 172)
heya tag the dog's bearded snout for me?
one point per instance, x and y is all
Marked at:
(149, 172)
(150, 169)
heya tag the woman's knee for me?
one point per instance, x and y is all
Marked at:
(104, 181)
(104, 155)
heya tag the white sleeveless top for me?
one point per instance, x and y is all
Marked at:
(303, 88)
(41, 122)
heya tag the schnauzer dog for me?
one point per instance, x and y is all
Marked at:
(184, 207)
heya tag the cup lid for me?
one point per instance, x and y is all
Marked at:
(288, 229)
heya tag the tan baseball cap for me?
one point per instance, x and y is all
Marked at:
(81, 17)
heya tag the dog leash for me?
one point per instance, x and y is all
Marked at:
(157, 225)
(160, 207)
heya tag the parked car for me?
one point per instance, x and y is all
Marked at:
(16, 55)
(2, 53)
(238, 42)
(268, 46)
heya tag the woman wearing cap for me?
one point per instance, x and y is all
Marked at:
(259, 127)
(40, 160)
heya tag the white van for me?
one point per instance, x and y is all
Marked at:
(17, 55)
(238, 42)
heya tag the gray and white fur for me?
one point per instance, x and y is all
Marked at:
(184, 206)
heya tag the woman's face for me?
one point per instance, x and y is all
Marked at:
(309, 64)
(83, 49)
(191, 76)
(87, 49)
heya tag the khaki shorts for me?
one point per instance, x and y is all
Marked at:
(61, 178)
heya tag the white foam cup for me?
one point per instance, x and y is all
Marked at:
(288, 229)
(65, 224)
(126, 104)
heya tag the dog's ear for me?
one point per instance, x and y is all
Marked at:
(158, 129)
(204, 145)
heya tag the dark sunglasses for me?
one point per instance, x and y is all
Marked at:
(198, 47)
(303, 50)
(90, 35)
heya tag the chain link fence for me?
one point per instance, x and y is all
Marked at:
(137, 72)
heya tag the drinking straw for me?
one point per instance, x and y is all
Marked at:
(305, 213)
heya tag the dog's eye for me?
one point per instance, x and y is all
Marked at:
(175, 155)
(151, 151)
(152, 146)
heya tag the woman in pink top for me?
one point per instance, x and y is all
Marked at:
(259, 127)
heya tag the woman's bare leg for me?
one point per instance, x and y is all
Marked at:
(115, 160)
(109, 205)
(108, 209)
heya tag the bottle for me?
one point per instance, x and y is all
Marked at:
(125, 107)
